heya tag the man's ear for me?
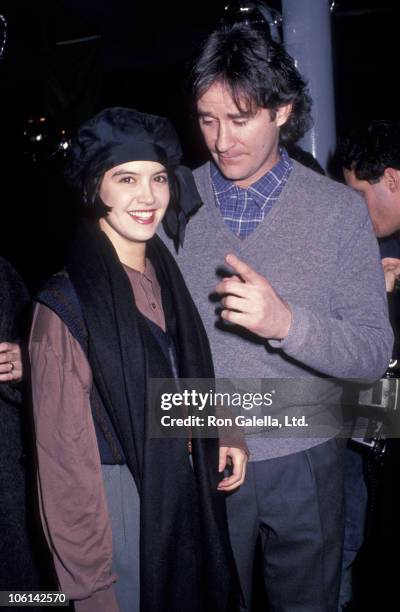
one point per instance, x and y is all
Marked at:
(392, 179)
(282, 114)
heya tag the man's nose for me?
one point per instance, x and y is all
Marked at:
(225, 138)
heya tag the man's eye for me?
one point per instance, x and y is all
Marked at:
(207, 121)
(240, 121)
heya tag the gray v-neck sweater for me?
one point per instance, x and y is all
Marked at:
(317, 249)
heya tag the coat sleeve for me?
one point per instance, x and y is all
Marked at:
(72, 499)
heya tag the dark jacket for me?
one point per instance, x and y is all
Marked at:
(17, 567)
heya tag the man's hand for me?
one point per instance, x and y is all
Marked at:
(10, 362)
(238, 460)
(391, 269)
(251, 301)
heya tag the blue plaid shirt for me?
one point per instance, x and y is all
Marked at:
(244, 208)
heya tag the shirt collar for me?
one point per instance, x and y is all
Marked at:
(149, 272)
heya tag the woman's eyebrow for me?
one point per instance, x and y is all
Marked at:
(119, 172)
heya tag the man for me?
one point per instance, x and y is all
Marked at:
(370, 157)
(301, 255)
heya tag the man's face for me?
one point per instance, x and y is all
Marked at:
(244, 146)
(382, 199)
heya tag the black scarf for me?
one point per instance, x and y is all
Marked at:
(185, 558)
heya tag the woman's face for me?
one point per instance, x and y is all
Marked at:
(138, 194)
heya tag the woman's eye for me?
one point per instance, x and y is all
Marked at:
(161, 178)
(207, 121)
(127, 179)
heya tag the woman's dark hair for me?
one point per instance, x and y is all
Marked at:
(95, 208)
(258, 73)
(91, 183)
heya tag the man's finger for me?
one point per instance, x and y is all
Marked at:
(236, 318)
(246, 273)
(231, 302)
(232, 287)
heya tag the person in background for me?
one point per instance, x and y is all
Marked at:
(298, 254)
(370, 159)
(133, 522)
(18, 565)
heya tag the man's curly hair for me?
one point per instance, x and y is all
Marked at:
(370, 148)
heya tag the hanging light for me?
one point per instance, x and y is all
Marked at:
(3, 35)
(256, 14)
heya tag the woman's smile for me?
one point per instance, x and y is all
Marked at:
(143, 216)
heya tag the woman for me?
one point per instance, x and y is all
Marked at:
(114, 501)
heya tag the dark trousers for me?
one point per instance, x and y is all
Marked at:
(356, 500)
(295, 503)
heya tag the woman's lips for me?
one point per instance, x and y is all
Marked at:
(144, 217)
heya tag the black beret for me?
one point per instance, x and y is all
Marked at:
(118, 135)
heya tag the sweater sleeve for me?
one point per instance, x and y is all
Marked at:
(354, 339)
(72, 499)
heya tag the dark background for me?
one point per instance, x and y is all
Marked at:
(137, 57)
(140, 55)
